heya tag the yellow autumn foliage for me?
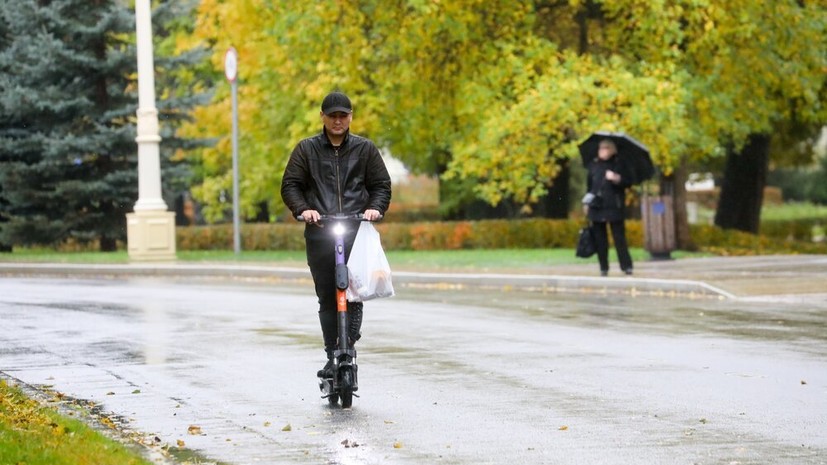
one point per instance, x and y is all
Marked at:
(497, 91)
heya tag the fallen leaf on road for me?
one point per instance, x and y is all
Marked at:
(563, 428)
(180, 443)
(194, 430)
(287, 428)
(397, 445)
(110, 393)
(136, 391)
(266, 424)
(107, 422)
(803, 382)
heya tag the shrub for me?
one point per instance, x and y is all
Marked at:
(730, 242)
(276, 236)
(396, 236)
(798, 230)
(787, 236)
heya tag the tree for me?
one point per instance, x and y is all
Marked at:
(405, 64)
(775, 56)
(718, 70)
(757, 70)
(67, 102)
(66, 144)
(5, 246)
(494, 96)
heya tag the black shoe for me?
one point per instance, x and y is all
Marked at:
(628, 271)
(604, 272)
(327, 371)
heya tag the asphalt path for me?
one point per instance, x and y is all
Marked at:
(448, 376)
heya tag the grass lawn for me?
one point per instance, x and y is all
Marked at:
(789, 211)
(793, 211)
(35, 435)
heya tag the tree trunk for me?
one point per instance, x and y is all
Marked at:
(742, 189)
(4, 247)
(683, 236)
(108, 244)
(556, 202)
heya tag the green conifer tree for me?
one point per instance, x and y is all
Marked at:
(68, 158)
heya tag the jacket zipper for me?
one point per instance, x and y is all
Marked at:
(338, 180)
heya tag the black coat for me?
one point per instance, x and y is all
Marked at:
(609, 204)
(347, 180)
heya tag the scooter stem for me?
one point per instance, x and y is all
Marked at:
(341, 294)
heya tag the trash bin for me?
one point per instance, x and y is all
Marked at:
(658, 226)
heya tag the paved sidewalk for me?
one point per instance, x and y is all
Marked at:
(777, 276)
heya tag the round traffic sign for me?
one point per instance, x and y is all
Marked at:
(231, 64)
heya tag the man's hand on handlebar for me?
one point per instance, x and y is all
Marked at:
(311, 216)
(372, 215)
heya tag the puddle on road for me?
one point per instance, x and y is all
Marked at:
(86, 307)
(304, 339)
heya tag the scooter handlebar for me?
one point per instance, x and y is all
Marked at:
(356, 217)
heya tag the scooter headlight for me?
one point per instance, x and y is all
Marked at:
(339, 229)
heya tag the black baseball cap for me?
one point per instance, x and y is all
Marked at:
(336, 101)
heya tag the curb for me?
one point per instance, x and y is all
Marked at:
(539, 283)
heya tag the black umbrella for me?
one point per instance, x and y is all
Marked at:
(633, 154)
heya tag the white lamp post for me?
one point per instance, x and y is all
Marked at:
(151, 229)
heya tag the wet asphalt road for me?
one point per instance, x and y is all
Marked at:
(445, 376)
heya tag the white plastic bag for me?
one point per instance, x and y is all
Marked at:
(368, 270)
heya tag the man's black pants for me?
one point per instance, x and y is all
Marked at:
(321, 258)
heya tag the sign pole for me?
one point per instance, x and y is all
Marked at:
(231, 72)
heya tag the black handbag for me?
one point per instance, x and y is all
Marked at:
(585, 243)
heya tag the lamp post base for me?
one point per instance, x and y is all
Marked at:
(150, 235)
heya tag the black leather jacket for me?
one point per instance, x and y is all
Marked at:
(347, 180)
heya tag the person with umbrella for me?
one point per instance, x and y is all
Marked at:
(607, 181)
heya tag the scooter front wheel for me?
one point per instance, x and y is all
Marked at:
(346, 389)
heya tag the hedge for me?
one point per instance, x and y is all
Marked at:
(447, 235)
(790, 237)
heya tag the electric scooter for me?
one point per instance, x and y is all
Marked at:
(342, 383)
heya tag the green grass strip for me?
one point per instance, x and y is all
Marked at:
(35, 435)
